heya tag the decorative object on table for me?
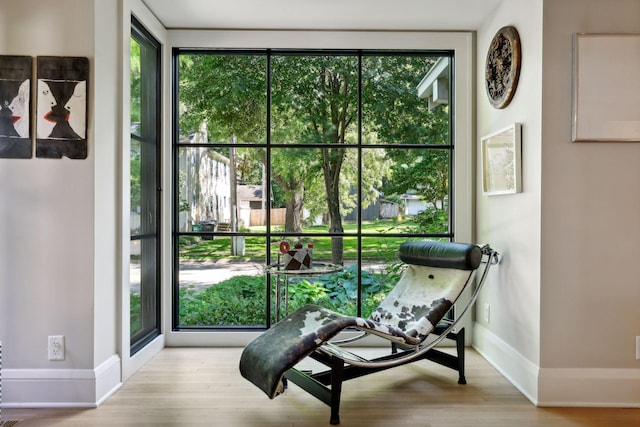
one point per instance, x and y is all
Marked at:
(298, 258)
(61, 124)
(502, 68)
(502, 161)
(606, 87)
(284, 277)
(15, 106)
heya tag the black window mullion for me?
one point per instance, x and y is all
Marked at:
(267, 169)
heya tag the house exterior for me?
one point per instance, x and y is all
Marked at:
(210, 197)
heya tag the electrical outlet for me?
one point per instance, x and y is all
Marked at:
(487, 313)
(56, 347)
(637, 348)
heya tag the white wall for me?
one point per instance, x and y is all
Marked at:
(58, 218)
(590, 293)
(564, 302)
(511, 223)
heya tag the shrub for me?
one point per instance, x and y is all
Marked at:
(241, 300)
(237, 301)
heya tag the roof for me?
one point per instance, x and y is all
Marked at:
(249, 192)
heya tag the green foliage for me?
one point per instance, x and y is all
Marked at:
(305, 292)
(240, 301)
(227, 92)
(432, 220)
(135, 191)
(134, 313)
(135, 73)
(188, 240)
(342, 291)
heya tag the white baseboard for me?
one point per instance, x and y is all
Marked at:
(615, 388)
(566, 387)
(517, 369)
(60, 388)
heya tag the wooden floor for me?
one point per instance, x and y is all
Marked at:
(202, 387)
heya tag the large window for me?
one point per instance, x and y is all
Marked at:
(350, 152)
(145, 187)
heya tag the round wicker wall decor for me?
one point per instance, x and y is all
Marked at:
(503, 66)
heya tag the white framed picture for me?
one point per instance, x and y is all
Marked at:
(606, 87)
(502, 161)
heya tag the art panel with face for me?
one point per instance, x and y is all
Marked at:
(15, 106)
(62, 107)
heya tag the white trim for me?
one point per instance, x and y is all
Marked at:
(463, 45)
(130, 364)
(516, 368)
(60, 388)
(143, 356)
(589, 387)
(566, 387)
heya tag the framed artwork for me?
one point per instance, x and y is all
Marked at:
(502, 161)
(606, 87)
(15, 106)
(61, 124)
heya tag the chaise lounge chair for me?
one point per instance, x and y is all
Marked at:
(437, 273)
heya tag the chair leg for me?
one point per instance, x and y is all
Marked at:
(337, 369)
(460, 349)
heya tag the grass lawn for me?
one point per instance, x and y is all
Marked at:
(372, 247)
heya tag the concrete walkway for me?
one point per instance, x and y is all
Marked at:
(202, 275)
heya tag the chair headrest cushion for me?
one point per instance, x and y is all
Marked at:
(461, 256)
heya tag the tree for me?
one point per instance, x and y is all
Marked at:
(321, 93)
(314, 102)
(424, 171)
(394, 114)
(227, 92)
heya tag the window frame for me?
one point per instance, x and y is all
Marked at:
(151, 306)
(460, 43)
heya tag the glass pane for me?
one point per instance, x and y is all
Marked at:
(416, 191)
(314, 99)
(324, 283)
(375, 203)
(144, 182)
(396, 108)
(222, 98)
(135, 196)
(381, 270)
(341, 289)
(304, 199)
(222, 281)
(136, 315)
(135, 307)
(207, 189)
(134, 108)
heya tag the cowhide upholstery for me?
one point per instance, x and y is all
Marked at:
(436, 275)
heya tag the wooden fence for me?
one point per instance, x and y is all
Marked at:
(259, 217)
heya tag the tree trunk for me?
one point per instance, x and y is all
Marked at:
(335, 226)
(332, 164)
(293, 218)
